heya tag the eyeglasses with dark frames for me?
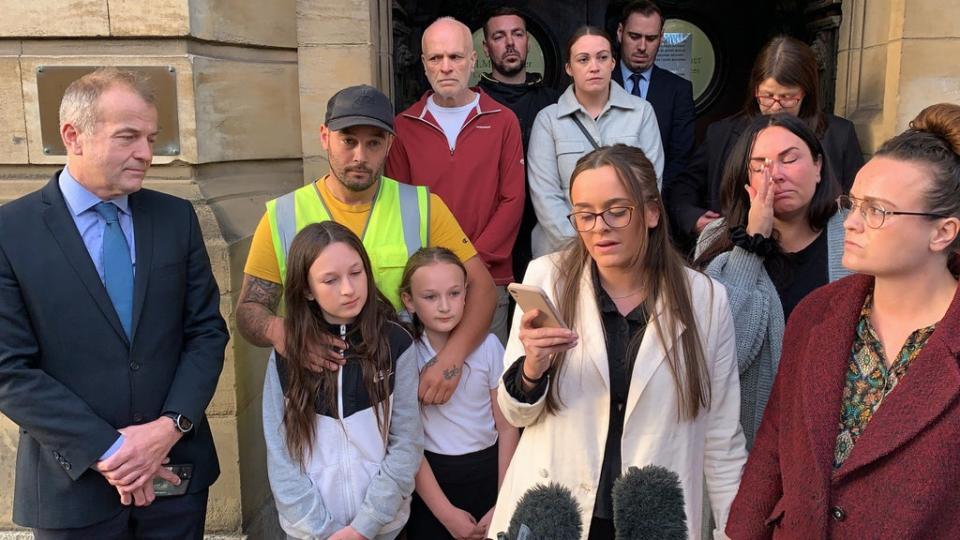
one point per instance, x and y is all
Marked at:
(873, 213)
(616, 217)
(785, 101)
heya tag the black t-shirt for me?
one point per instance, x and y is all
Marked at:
(796, 275)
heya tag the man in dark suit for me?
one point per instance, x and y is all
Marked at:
(640, 34)
(111, 339)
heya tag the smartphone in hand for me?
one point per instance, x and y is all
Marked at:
(530, 297)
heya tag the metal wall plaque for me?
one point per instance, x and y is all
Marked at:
(52, 82)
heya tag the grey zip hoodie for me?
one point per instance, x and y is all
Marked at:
(352, 477)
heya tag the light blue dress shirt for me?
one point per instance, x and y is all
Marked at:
(644, 82)
(80, 203)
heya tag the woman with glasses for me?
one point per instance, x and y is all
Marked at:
(591, 113)
(784, 79)
(782, 237)
(645, 374)
(860, 436)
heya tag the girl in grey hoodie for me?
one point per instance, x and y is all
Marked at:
(342, 446)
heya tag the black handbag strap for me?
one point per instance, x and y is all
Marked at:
(584, 130)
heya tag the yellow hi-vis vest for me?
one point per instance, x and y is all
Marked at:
(397, 226)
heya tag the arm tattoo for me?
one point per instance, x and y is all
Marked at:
(451, 373)
(259, 299)
(263, 292)
(430, 363)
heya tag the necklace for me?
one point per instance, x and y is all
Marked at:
(634, 293)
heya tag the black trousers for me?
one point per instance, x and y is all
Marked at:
(469, 482)
(167, 518)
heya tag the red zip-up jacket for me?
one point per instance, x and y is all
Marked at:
(481, 179)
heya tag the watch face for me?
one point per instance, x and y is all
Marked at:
(184, 424)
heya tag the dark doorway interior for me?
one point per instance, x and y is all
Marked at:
(737, 30)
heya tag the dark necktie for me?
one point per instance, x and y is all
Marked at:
(636, 78)
(117, 268)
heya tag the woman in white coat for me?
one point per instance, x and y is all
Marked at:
(641, 377)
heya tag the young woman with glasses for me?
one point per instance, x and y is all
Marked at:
(592, 112)
(782, 237)
(784, 79)
(860, 435)
(641, 376)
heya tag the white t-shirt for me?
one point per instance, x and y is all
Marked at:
(464, 424)
(451, 119)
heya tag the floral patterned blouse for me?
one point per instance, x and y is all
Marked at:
(869, 380)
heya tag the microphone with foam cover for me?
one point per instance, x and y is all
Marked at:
(648, 505)
(545, 513)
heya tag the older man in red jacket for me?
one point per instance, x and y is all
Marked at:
(467, 148)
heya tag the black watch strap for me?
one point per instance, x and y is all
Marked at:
(181, 422)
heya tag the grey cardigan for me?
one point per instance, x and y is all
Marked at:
(758, 314)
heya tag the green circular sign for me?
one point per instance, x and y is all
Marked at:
(686, 50)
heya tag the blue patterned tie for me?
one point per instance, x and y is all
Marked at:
(636, 78)
(117, 268)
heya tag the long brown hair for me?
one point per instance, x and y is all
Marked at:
(306, 328)
(666, 278)
(734, 200)
(790, 62)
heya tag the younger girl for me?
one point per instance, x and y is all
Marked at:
(468, 443)
(342, 446)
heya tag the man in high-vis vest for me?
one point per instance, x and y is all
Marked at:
(392, 219)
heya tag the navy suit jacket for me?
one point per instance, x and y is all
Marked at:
(672, 99)
(69, 377)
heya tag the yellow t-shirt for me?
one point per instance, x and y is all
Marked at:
(444, 232)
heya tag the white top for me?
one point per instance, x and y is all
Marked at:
(567, 447)
(451, 119)
(464, 424)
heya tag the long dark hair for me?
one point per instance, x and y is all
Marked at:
(425, 257)
(790, 62)
(666, 275)
(734, 200)
(306, 328)
(934, 140)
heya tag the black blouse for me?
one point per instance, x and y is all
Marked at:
(622, 335)
(796, 275)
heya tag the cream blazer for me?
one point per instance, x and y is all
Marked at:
(567, 447)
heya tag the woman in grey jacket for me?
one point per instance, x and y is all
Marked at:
(592, 112)
(342, 446)
(782, 237)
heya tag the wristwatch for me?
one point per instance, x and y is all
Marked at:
(181, 422)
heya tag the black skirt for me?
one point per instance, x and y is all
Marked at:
(469, 482)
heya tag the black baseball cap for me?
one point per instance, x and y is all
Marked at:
(361, 105)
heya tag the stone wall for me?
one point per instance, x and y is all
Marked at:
(239, 129)
(896, 57)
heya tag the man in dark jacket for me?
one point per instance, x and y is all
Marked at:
(505, 42)
(640, 34)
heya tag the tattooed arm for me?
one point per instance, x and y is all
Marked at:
(258, 322)
(257, 317)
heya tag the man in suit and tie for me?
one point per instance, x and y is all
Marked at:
(640, 34)
(111, 339)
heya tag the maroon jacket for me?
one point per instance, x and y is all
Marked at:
(902, 480)
(481, 180)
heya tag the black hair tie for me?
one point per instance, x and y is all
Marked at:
(754, 243)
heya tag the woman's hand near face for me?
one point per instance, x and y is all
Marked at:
(540, 344)
(760, 217)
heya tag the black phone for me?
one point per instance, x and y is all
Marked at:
(163, 488)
